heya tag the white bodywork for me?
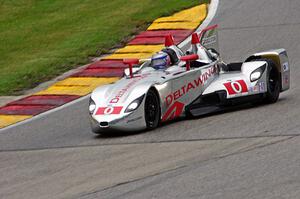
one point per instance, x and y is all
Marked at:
(178, 89)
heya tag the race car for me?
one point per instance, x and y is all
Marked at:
(176, 84)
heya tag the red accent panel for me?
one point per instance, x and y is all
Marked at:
(195, 38)
(169, 41)
(236, 87)
(229, 88)
(130, 62)
(109, 110)
(107, 64)
(100, 72)
(189, 57)
(174, 111)
(24, 109)
(55, 100)
(244, 86)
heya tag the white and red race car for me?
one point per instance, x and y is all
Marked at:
(197, 82)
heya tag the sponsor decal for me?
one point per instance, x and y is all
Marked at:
(191, 86)
(174, 111)
(236, 87)
(209, 40)
(124, 90)
(286, 79)
(209, 37)
(262, 87)
(110, 110)
(254, 89)
(175, 107)
(285, 66)
(259, 88)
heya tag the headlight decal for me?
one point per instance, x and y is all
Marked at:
(135, 104)
(92, 106)
(256, 74)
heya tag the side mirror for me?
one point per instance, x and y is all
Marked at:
(188, 59)
(130, 63)
(215, 54)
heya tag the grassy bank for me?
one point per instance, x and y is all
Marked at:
(40, 39)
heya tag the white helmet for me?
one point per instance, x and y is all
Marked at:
(160, 60)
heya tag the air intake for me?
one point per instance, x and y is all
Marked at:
(104, 124)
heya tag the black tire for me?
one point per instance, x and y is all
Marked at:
(152, 110)
(273, 82)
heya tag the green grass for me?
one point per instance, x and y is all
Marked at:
(40, 39)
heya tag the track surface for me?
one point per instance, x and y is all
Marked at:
(249, 153)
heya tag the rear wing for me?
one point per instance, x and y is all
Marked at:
(209, 38)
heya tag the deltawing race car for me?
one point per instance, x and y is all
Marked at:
(196, 82)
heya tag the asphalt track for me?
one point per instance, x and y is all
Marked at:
(248, 153)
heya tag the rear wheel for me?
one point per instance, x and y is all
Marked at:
(152, 110)
(273, 82)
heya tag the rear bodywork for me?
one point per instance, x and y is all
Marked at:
(280, 58)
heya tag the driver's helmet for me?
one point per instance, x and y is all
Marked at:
(160, 60)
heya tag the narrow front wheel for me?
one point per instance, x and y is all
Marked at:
(152, 110)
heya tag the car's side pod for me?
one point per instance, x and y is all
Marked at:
(280, 58)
